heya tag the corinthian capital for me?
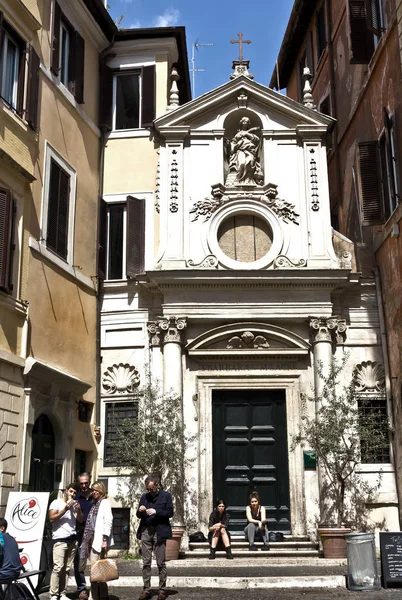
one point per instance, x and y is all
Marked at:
(331, 330)
(172, 329)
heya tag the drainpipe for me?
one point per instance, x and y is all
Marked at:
(384, 344)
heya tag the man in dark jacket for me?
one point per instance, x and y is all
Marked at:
(10, 566)
(155, 509)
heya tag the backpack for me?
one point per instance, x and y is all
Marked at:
(198, 536)
(276, 536)
(17, 591)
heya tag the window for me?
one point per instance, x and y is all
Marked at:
(7, 212)
(84, 411)
(122, 239)
(58, 205)
(379, 176)
(121, 528)
(374, 410)
(127, 98)
(366, 26)
(68, 55)
(321, 32)
(80, 463)
(115, 414)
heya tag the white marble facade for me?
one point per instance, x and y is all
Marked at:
(202, 319)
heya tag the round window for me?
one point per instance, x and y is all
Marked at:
(245, 237)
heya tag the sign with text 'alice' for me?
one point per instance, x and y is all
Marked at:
(26, 515)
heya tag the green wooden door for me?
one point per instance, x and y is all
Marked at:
(250, 452)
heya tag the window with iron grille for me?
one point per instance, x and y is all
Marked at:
(121, 528)
(374, 409)
(58, 205)
(115, 415)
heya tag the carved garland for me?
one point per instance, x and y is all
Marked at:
(174, 182)
(315, 203)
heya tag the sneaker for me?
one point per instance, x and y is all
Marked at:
(54, 598)
(253, 548)
(265, 547)
(63, 597)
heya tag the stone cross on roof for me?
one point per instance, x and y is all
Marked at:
(240, 41)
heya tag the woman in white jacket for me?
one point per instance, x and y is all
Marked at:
(97, 536)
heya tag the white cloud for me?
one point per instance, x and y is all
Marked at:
(135, 25)
(167, 19)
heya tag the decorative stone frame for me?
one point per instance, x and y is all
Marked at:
(247, 206)
(289, 382)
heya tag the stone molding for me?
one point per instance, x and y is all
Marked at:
(332, 329)
(120, 379)
(166, 330)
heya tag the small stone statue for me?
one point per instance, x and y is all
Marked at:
(244, 166)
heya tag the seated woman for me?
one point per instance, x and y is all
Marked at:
(256, 522)
(218, 529)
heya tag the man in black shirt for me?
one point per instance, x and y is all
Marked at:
(155, 509)
(10, 566)
(85, 499)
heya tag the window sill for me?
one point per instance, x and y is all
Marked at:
(375, 468)
(129, 133)
(11, 114)
(12, 304)
(40, 247)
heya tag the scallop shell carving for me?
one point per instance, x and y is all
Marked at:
(120, 379)
(370, 376)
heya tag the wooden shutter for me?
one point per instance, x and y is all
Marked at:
(321, 32)
(135, 236)
(6, 215)
(148, 100)
(56, 40)
(79, 59)
(58, 209)
(33, 89)
(360, 38)
(373, 16)
(105, 96)
(389, 156)
(22, 48)
(1, 35)
(309, 52)
(102, 239)
(370, 183)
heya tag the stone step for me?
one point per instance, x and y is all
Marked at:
(273, 545)
(245, 553)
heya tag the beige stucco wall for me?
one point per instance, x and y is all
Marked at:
(130, 165)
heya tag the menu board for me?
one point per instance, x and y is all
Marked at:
(391, 557)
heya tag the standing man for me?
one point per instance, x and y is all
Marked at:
(84, 498)
(63, 515)
(155, 509)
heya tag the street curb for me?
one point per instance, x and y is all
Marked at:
(234, 583)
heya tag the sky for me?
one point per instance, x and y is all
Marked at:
(215, 22)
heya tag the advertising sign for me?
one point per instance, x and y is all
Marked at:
(26, 515)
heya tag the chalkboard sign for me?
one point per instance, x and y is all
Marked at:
(391, 557)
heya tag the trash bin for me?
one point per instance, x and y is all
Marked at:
(362, 562)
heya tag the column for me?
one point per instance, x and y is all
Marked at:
(172, 330)
(326, 333)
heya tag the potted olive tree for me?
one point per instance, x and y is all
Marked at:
(155, 442)
(342, 431)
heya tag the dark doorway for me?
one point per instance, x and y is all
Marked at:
(41, 477)
(250, 452)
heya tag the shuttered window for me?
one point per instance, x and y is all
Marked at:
(58, 210)
(127, 98)
(12, 66)
(365, 29)
(389, 166)
(68, 54)
(33, 89)
(321, 32)
(6, 239)
(370, 183)
(124, 225)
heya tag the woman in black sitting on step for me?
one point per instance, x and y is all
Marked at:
(256, 522)
(218, 529)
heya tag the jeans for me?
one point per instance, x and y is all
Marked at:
(149, 543)
(251, 529)
(79, 575)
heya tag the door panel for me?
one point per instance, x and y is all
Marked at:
(250, 453)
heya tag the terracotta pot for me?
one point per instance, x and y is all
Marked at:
(333, 541)
(173, 545)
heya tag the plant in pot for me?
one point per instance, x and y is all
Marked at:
(344, 429)
(154, 442)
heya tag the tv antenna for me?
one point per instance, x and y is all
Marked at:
(193, 70)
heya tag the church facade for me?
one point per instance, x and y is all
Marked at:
(232, 289)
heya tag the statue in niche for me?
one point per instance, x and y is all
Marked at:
(244, 166)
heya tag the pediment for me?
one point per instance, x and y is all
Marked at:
(240, 340)
(283, 109)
